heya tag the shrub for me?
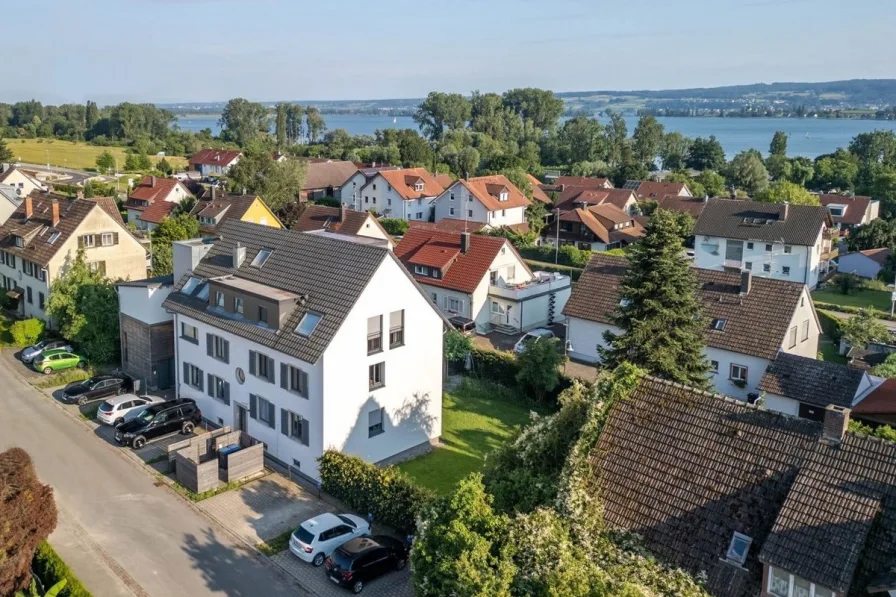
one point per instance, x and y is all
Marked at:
(327, 202)
(394, 226)
(567, 255)
(387, 493)
(27, 331)
(830, 325)
(50, 568)
(847, 283)
(498, 366)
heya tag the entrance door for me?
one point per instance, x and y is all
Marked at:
(164, 373)
(242, 418)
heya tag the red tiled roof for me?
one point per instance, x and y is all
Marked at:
(157, 212)
(537, 192)
(488, 190)
(109, 205)
(682, 203)
(879, 256)
(435, 254)
(467, 270)
(881, 400)
(321, 217)
(654, 190)
(856, 207)
(215, 157)
(585, 182)
(146, 192)
(448, 225)
(618, 197)
(399, 181)
(323, 175)
(445, 180)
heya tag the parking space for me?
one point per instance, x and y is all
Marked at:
(11, 356)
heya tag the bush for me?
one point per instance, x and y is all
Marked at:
(394, 226)
(327, 202)
(387, 493)
(830, 325)
(502, 368)
(50, 568)
(567, 255)
(27, 331)
(850, 309)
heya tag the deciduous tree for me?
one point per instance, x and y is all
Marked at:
(314, 123)
(5, 152)
(539, 366)
(616, 134)
(540, 107)
(105, 162)
(440, 111)
(862, 329)
(179, 227)
(243, 121)
(648, 139)
(706, 154)
(782, 191)
(873, 235)
(746, 171)
(779, 144)
(674, 150)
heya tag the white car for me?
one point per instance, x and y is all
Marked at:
(318, 537)
(119, 409)
(532, 336)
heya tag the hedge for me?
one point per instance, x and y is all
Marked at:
(573, 272)
(387, 493)
(502, 366)
(26, 332)
(850, 309)
(830, 325)
(50, 568)
(567, 255)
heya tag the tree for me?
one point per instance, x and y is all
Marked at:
(581, 140)
(440, 111)
(779, 167)
(6, 154)
(539, 366)
(696, 188)
(862, 329)
(801, 171)
(461, 548)
(779, 144)
(706, 154)
(105, 162)
(836, 171)
(394, 226)
(648, 139)
(879, 181)
(746, 171)
(887, 368)
(280, 124)
(873, 235)
(713, 183)
(28, 512)
(283, 183)
(413, 148)
(660, 314)
(465, 162)
(782, 191)
(91, 115)
(539, 107)
(628, 168)
(487, 115)
(876, 147)
(315, 123)
(243, 121)
(172, 228)
(164, 167)
(456, 345)
(673, 150)
(294, 127)
(615, 133)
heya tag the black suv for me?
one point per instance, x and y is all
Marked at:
(365, 558)
(98, 386)
(159, 419)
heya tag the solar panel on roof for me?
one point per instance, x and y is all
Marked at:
(631, 185)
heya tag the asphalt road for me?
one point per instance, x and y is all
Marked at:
(122, 534)
(74, 176)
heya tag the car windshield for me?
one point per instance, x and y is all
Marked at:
(145, 416)
(303, 535)
(89, 381)
(106, 407)
(347, 520)
(342, 559)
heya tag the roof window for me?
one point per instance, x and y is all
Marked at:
(191, 285)
(202, 295)
(53, 238)
(718, 324)
(308, 323)
(418, 187)
(739, 548)
(262, 257)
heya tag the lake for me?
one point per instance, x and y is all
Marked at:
(808, 137)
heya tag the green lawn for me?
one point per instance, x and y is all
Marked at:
(879, 299)
(829, 351)
(473, 425)
(70, 154)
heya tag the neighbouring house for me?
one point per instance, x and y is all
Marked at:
(213, 209)
(771, 240)
(749, 320)
(865, 264)
(649, 190)
(538, 193)
(327, 178)
(41, 239)
(153, 199)
(756, 502)
(483, 280)
(878, 407)
(444, 180)
(585, 182)
(593, 228)
(10, 200)
(342, 220)
(309, 341)
(572, 197)
(847, 212)
(24, 183)
(214, 162)
(147, 332)
(804, 386)
(406, 194)
(350, 191)
(492, 200)
(682, 204)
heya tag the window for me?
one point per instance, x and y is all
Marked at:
(450, 211)
(40, 303)
(469, 213)
(713, 366)
(28, 294)
(738, 373)
(784, 584)
(262, 256)
(98, 266)
(734, 250)
(375, 422)
(792, 337)
(718, 324)
(53, 238)
(738, 548)
(261, 365)
(804, 329)
(217, 347)
(377, 375)
(750, 246)
(193, 376)
(293, 379)
(451, 197)
(419, 215)
(218, 388)
(308, 323)
(20, 242)
(294, 426)
(189, 332)
(748, 265)
(785, 270)
(421, 270)
(237, 305)
(43, 275)
(88, 240)
(836, 210)
(262, 314)
(766, 267)
(265, 411)
(511, 273)
(455, 304)
(374, 334)
(768, 248)
(396, 329)
(788, 249)
(107, 239)
(435, 297)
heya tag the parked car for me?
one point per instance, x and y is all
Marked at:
(317, 537)
(123, 408)
(365, 558)
(533, 336)
(98, 386)
(32, 352)
(159, 419)
(57, 360)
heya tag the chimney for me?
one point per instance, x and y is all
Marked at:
(342, 212)
(836, 422)
(29, 206)
(54, 209)
(746, 282)
(464, 243)
(244, 190)
(733, 194)
(786, 209)
(239, 255)
(705, 198)
(213, 192)
(152, 181)
(79, 194)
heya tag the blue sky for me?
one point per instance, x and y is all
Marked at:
(208, 50)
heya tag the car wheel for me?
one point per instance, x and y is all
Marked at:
(48, 371)
(81, 364)
(82, 400)
(318, 560)
(400, 564)
(357, 587)
(139, 442)
(187, 429)
(117, 422)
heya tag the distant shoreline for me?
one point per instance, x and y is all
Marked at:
(831, 116)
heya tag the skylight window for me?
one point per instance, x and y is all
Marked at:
(739, 548)
(191, 285)
(53, 238)
(308, 324)
(718, 324)
(262, 257)
(202, 295)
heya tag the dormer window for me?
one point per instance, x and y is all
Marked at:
(308, 323)
(738, 548)
(20, 242)
(836, 210)
(718, 324)
(421, 270)
(503, 195)
(418, 187)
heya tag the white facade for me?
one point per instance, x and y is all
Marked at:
(858, 264)
(23, 183)
(378, 195)
(216, 169)
(350, 192)
(458, 203)
(794, 263)
(340, 404)
(144, 303)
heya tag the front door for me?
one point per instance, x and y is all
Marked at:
(242, 416)
(164, 373)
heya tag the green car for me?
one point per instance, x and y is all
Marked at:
(57, 360)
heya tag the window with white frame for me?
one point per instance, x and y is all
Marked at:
(189, 332)
(296, 427)
(219, 299)
(396, 329)
(766, 267)
(377, 375)
(784, 584)
(454, 304)
(451, 211)
(792, 335)
(374, 334)
(788, 249)
(107, 239)
(265, 411)
(713, 366)
(805, 331)
(785, 270)
(469, 213)
(738, 548)
(419, 215)
(237, 305)
(738, 373)
(375, 422)
(768, 248)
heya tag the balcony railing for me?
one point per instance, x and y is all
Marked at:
(734, 263)
(541, 283)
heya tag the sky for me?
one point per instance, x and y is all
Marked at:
(166, 51)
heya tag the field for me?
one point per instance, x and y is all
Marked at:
(69, 154)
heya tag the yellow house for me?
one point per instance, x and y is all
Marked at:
(41, 239)
(212, 210)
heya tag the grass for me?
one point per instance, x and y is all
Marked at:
(272, 547)
(71, 154)
(475, 421)
(54, 380)
(90, 413)
(878, 299)
(829, 351)
(198, 497)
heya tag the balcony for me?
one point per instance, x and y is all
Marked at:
(733, 263)
(542, 283)
(829, 254)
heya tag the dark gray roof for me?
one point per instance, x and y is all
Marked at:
(812, 381)
(331, 271)
(157, 281)
(753, 220)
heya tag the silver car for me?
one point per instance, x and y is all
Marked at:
(30, 353)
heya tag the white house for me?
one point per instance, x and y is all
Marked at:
(310, 341)
(214, 162)
(803, 386)
(153, 199)
(405, 194)
(850, 211)
(10, 200)
(865, 264)
(749, 320)
(342, 220)
(573, 197)
(492, 200)
(593, 228)
(781, 241)
(350, 190)
(652, 190)
(482, 280)
(23, 182)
